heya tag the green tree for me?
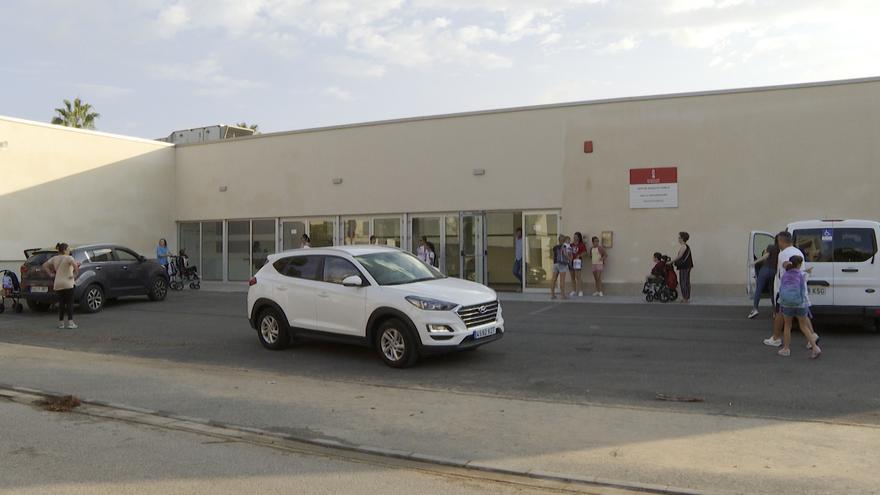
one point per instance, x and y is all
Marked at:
(255, 127)
(76, 114)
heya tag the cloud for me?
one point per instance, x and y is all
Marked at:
(354, 67)
(208, 75)
(104, 91)
(338, 93)
(172, 20)
(622, 45)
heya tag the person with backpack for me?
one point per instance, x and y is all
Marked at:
(793, 303)
(561, 259)
(684, 261)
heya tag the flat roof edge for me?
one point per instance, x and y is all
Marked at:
(549, 106)
(85, 131)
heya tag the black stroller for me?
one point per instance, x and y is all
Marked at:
(182, 273)
(10, 289)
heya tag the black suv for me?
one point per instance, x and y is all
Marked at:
(106, 272)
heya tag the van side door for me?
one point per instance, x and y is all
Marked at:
(817, 246)
(758, 243)
(855, 265)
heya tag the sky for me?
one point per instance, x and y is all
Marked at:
(153, 66)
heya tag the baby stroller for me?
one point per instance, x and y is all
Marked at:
(182, 273)
(10, 289)
(663, 289)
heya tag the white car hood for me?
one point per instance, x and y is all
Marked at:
(449, 289)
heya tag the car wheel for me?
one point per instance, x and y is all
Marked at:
(93, 299)
(395, 344)
(158, 289)
(272, 330)
(38, 307)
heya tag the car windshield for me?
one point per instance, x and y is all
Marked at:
(396, 267)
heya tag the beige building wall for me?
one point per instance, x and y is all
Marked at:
(63, 184)
(746, 161)
(750, 159)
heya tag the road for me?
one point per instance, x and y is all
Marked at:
(569, 353)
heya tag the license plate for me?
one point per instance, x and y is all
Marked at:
(816, 291)
(39, 288)
(484, 332)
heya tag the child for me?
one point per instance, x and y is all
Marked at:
(793, 301)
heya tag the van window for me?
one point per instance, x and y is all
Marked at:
(815, 244)
(854, 245)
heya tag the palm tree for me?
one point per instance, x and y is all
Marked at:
(255, 127)
(76, 114)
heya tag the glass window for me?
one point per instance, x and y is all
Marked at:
(854, 245)
(307, 267)
(238, 239)
(387, 231)
(761, 244)
(453, 247)
(541, 231)
(321, 232)
(281, 265)
(500, 232)
(338, 269)
(263, 232)
(100, 255)
(127, 256)
(212, 251)
(396, 267)
(291, 234)
(356, 230)
(189, 241)
(814, 243)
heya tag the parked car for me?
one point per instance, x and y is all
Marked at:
(106, 271)
(379, 297)
(845, 276)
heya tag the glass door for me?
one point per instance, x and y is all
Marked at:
(473, 247)
(430, 229)
(291, 234)
(540, 230)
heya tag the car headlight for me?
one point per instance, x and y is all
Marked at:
(431, 304)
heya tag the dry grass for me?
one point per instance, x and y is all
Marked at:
(60, 404)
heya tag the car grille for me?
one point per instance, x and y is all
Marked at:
(478, 314)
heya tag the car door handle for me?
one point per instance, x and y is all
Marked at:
(820, 283)
(850, 270)
(282, 288)
(98, 268)
(323, 294)
(125, 268)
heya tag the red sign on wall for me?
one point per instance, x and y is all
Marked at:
(658, 175)
(653, 187)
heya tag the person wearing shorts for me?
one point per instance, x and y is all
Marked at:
(598, 256)
(560, 268)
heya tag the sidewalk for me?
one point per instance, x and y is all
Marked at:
(744, 301)
(709, 453)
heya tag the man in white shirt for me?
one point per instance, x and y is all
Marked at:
(786, 251)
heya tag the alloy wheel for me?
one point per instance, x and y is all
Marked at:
(160, 288)
(269, 329)
(95, 299)
(392, 344)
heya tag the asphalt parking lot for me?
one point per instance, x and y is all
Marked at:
(575, 353)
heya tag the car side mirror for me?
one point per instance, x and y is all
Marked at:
(353, 281)
(141, 259)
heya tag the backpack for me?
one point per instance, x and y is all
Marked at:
(791, 293)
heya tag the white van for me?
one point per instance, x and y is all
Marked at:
(845, 279)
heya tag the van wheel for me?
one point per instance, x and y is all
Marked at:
(158, 289)
(272, 330)
(38, 307)
(92, 299)
(395, 344)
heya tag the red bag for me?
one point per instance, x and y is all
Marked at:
(671, 278)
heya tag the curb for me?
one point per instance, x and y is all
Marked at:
(164, 419)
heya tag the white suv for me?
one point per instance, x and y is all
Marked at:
(380, 297)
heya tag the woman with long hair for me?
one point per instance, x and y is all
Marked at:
(65, 269)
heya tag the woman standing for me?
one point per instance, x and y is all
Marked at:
(579, 249)
(769, 260)
(560, 268)
(598, 257)
(306, 241)
(65, 270)
(684, 261)
(162, 253)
